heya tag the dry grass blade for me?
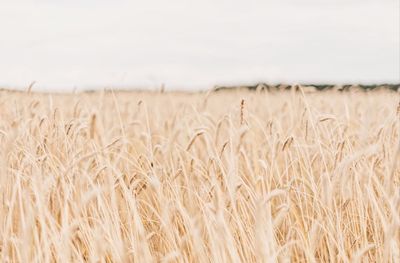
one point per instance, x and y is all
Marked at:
(191, 142)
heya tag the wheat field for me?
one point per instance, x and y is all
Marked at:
(229, 176)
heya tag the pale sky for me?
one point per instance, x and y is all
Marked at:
(64, 44)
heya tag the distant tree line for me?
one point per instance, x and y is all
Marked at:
(315, 87)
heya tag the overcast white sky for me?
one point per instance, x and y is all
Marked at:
(186, 44)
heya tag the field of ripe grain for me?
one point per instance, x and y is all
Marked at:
(230, 176)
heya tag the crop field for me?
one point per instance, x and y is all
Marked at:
(227, 176)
